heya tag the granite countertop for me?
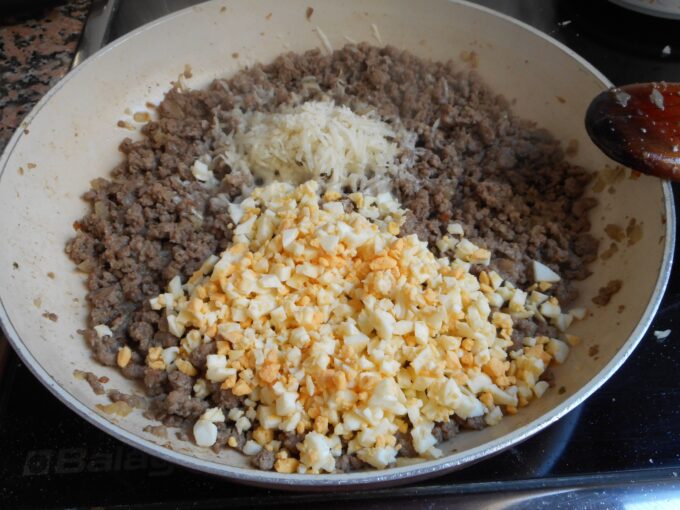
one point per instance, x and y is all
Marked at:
(36, 50)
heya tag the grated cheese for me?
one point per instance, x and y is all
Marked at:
(314, 141)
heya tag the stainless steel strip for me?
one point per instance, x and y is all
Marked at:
(96, 29)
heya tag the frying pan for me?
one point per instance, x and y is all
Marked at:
(72, 135)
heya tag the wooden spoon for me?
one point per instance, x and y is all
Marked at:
(639, 126)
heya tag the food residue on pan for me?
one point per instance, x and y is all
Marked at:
(324, 39)
(605, 294)
(125, 125)
(376, 33)
(593, 350)
(328, 269)
(615, 232)
(141, 117)
(308, 13)
(634, 231)
(470, 57)
(610, 175)
(92, 379)
(51, 316)
(572, 148)
(119, 408)
(561, 99)
(609, 252)
(51, 275)
(157, 430)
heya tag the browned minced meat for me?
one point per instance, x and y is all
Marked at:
(290, 441)
(264, 459)
(225, 432)
(225, 399)
(405, 443)
(505, 180)
(445, 430)
(476, 423)
(605, 294)
(346, 463)
(549, 377)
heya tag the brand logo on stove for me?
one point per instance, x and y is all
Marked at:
(67, 461)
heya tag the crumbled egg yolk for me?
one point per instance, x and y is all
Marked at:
(329, 325)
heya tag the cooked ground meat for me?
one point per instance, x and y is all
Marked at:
(445, 430)
(503, 179)
(521, 329)
(199, 355)
(548, 376)
(347, 463)
(181, 382)
(476, 423)
(264, 460)
(183, 404)
(405, 441)
(224, 432)
(225, 399)
(290, 442)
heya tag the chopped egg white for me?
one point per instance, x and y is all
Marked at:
(329, 325)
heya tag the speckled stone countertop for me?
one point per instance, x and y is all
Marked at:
(35, 52)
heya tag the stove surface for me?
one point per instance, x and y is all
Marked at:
(621, 449)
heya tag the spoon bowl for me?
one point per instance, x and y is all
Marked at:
(638, 126)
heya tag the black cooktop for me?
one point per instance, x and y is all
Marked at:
(621, 449)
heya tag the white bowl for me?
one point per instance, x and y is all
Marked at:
(71, 137)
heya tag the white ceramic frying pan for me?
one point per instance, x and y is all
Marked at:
(71, 137)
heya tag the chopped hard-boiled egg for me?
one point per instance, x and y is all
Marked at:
(329, 325)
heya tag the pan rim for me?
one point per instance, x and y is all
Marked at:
(374, 478)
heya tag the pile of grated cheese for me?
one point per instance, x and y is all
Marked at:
(330, 325)
(316, 140)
